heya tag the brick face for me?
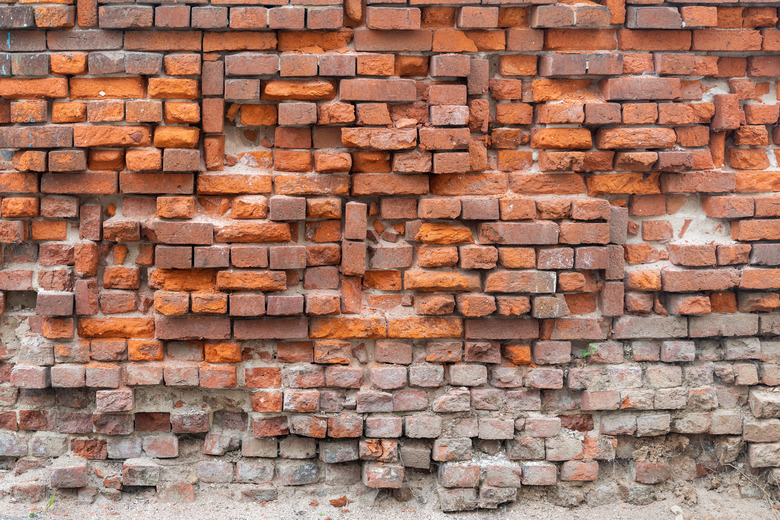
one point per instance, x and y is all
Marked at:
(363, 248)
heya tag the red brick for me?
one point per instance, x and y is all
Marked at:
(393, 18)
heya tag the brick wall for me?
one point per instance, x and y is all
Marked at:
(326, 243)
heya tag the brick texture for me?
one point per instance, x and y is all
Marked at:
(358, 241)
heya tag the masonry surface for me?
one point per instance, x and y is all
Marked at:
(318, 243)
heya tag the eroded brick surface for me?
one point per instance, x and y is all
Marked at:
(359, 241)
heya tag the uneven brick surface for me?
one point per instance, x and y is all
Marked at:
(339, 242)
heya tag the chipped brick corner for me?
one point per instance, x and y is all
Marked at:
(494, 245)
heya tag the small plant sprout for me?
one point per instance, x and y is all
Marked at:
(588, 351)
(48, 505)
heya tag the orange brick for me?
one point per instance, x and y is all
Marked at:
(227, 352)
(173, 88)
(107, 88)
(176, 137)
(49, 230)
(68, 63)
